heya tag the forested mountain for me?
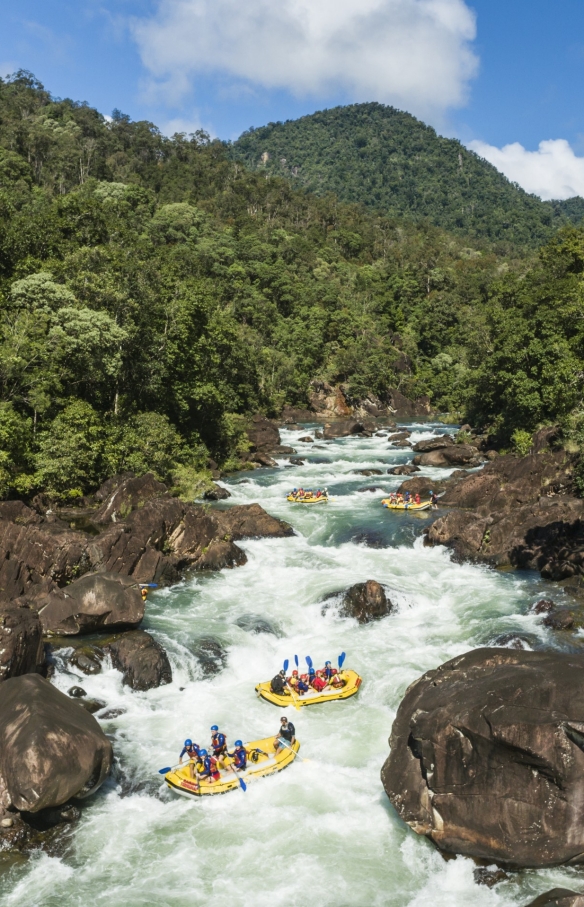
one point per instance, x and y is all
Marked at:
(388, 160)
(154, 293)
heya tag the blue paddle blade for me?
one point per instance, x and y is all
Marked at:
(242, 784)
(342, 657)
(309, 661)
(286, 663)
(165, 771)
(296, 660)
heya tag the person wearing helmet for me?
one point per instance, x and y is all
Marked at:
(193, 752)
(287, 733)
(239, 756)
(317, 682)
(292, 680)
(328, 671)
(301, 686)
(219, 745)
(209, 770)
(434, 500)
(278, 684)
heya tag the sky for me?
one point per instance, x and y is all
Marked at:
(503, 76)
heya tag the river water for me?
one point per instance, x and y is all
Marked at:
(321, 832)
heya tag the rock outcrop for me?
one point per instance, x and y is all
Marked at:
(487, 757)
(51, 749)
(366, 602)
(21, 641)
(329, 402)
(143, 662)
(96, 601)
(448, 456)
(516, 512)
(342, 429)
(558, 897)
(263, 435)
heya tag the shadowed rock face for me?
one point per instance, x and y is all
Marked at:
(51, 748)
(263, 435)
(487, 757)
(142, 661)
(21, 641)
(366, 602)
(454, 455)
(342, 429)
(94, 602)
(558, 897)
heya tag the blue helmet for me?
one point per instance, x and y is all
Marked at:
(326, 663)
(188, 742)
(202, 752)
(214, 727)
(311, 671)
(238, 743)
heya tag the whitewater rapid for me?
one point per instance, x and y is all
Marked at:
(323, 831)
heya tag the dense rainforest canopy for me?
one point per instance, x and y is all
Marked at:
(155, 292)
(388, 160)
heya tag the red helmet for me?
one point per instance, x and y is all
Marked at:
(294, 673)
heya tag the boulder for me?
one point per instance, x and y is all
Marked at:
(558, 897)
(263, 435)
(255, 623)
(433, 444)
(50, 748)
(143, 662)
(404, 408)
(407, 469)
(399, 436)
(217, 493)
(421, 485)
(368, 472)
(341, 429)
(94, 602)
(251, 521)
(21, 641)
(487, 757)
(366, 602)
(307, 439)
(123, 497)
(447, 457)
(291, 414)
(211, 655)
(296, 461)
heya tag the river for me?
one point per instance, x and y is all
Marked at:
(321, 832)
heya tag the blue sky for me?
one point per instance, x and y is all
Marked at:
(501, 76)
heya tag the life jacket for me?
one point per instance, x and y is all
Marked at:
(193, 751)
(240, 757)
(328, 672)
(302, 686)
(218, 742)
(319, 684)
(278, 684)
(210, 767)
(304, 677)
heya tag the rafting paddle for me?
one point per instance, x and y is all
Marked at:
(288, 745)
(296, 660)
(309, 661)
(242, 783)
(341, 660)
(286, 663)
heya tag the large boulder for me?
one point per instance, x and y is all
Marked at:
(293, 414)
(51, 749)
(96, 601)
(21, 641)
(342, 429)
(329, 401)
(251, 521)
(558, 897)
(487, 757)
(516, 512)
(447, 457)
(433, 444)
(366, 602)
(121, 498)
(263, 435)
(143, 662)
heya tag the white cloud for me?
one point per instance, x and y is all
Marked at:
(553, 171)
(415, 54)
(180, 124)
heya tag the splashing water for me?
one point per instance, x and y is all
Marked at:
(323, 831)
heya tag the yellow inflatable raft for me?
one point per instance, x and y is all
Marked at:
(424, 505)
(329, 694)
(262, 761)
(307, 499)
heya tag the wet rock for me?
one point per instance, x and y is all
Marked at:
(430, 444)
(564, 619)
(76, 692)
(112, 713)
(407, 469)
(366, 602)
(143, 662)
(296, 414)
(283, 450)
(369, 488)
(21, 641)
(399, 436)
(543, 606)
(368, 472)
(421, 485)
(490, 877)
(296, 461)
(445, 457)
(211, 654)
(512, 641)
(217, 493)
(94, 602)
(92, 705)
(319, 435)
(306, 439)
(558, 897)
(491, 455)
(50, 749)
(263, 459)
(370, 539)
(251, 521)
(263, 435)
(342, 429)
(401, 445)
(488, 743)
(255, 623)
(123, 494)
(87, 660)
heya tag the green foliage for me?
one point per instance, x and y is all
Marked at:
(521, 441)
(70, 451)
(390, 161)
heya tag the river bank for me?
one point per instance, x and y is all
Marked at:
(137, 844)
